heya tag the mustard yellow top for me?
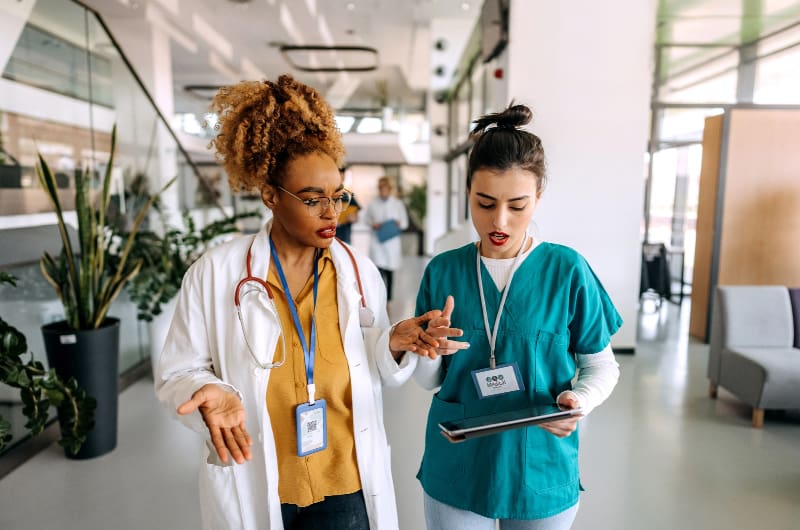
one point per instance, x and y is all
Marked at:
(334, 470)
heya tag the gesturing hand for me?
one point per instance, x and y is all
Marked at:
(563, 428)
(224, 416)
(431, 341)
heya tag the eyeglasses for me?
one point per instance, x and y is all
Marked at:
(319, 205)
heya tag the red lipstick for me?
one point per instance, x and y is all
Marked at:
(498, 239)
(328, 232)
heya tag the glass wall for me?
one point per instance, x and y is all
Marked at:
(707, 61)
(64, 86)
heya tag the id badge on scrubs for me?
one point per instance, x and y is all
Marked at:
(312, 432)
(496, 381)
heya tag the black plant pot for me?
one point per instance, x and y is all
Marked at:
(92, 358)
(10, 176)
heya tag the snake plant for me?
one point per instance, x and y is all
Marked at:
(88, 281)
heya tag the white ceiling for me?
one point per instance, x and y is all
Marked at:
(216, 42)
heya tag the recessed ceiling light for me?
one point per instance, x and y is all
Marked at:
(465, 6)
(351, 6)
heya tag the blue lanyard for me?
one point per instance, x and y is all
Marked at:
(308, 350)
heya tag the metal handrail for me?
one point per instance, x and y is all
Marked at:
(201, 179)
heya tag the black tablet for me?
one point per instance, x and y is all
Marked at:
(460, 430)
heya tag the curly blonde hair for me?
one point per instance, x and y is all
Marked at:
(264, 125)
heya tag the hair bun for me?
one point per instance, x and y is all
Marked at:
(514, 116)
(511, 118)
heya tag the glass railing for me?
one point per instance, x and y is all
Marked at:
(65, 84)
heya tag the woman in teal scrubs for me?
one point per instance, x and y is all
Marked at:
(535, 317)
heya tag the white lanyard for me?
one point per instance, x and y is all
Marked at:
(491, 334)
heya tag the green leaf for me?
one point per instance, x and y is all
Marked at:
(5, 435)
(12, 341)
(48, 182)
(40, 388)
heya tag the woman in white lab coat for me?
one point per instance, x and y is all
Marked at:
(286, 390)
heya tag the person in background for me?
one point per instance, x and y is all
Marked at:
(535, 314)
(387, 217)
(348, 217)
(280, 341)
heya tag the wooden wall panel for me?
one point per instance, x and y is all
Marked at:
(706, 208)
(761, 217)
(760, 228)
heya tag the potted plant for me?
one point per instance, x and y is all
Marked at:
(86, 344)
(417, 209)
(165, 259)
(40, 389)
(418, 204)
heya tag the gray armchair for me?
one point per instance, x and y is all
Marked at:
(751, 350)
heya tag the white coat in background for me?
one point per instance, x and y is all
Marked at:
(389, 254)
(205, 345)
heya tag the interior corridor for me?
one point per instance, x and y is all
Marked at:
(659, 454)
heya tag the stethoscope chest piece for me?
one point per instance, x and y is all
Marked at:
(366, 317)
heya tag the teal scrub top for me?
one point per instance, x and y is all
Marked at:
(556, 307)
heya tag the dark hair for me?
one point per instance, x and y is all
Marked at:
(500, 145)
(264, 125)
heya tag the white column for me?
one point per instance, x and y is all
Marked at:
(164, 97)
(151, 57)
(436, 208)
(584, 67)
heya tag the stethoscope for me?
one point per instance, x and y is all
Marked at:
(366, 316)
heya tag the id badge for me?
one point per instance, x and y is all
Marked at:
(312, 433)
(497, 381)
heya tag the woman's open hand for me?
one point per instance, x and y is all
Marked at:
(430, 340)
(224, 416)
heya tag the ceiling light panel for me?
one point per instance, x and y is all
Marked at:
(312, 7)
(157, 19)
(324, 30)
(214, 39)
(219, 64)
(287, 21)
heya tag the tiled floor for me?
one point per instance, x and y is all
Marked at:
(657, 455)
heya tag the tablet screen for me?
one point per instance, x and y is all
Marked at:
(506, 420)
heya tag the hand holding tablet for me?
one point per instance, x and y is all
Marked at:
(460, 430)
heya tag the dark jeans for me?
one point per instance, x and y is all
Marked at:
(337, 512)
(387, 279)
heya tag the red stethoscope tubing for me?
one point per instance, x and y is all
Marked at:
(263, 283)
(251, 278)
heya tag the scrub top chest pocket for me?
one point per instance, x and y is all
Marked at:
(554, 367)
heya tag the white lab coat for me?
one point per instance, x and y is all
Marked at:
(205, 345)
(389, 254)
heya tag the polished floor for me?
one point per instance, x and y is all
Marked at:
(657, 455)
